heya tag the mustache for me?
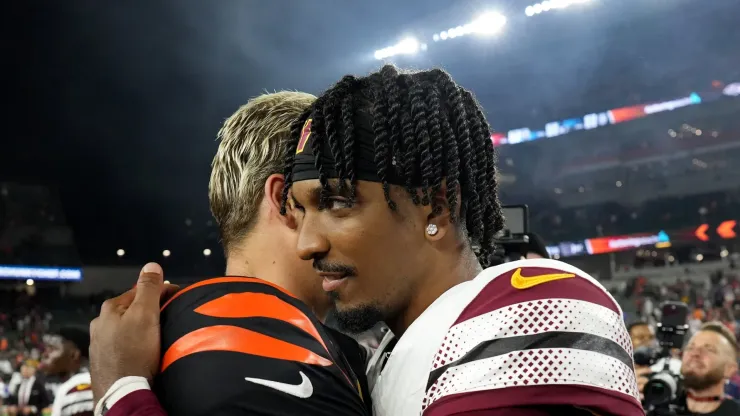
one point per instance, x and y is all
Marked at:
(325, 266)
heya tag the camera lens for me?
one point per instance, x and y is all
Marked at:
(660, 389)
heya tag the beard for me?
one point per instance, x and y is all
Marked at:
(698, 382)
(357, 319)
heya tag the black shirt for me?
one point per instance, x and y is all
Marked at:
(728, 407)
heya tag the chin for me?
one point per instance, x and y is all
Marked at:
(357, 318)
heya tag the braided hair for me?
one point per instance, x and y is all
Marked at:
(428, 131)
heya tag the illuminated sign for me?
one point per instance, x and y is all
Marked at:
(605, 118)
(725, 231)
(40, 273)
(673, 104)
(603, 245)
(732, 90)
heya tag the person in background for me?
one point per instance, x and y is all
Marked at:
(709, 360)
(66, 356)
(31, 397)
(642, 334)
(643, 337)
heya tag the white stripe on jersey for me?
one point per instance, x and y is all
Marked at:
(542, 366)
(78, 396)
(534, 317)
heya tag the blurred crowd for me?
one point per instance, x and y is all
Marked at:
(39, 332)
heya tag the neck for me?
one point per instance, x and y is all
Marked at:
(442, 277)
(697, 405)
(263, 257)
(258, 260)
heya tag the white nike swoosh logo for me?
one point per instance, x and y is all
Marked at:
(302, 391)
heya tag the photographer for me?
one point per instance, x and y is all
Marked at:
(643, 339)
(709, 360)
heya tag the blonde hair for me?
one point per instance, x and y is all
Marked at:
(253, 143)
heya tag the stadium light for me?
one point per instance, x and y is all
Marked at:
(166, 253)
(548, 5)
(407, 46)
(121, 252)
(486, 24)
(207, 252)
(489, 23)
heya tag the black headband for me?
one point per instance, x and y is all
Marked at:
(304, 165)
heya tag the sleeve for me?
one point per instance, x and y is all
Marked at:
(137, 403)
(541, 333)
(529, 411)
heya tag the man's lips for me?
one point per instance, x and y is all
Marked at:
(332, 280)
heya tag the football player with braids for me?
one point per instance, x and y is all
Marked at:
(392, 181)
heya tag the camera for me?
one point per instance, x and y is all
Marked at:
(513, 241)
(664, 389)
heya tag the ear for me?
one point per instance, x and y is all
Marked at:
(438, 214)
(730, 368)
(274, 198)
(75, 354)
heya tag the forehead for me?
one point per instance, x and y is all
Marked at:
(708, 338)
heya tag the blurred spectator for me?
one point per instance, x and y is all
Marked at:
(709, 362)
(30, 397)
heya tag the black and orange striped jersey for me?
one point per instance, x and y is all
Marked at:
(244, 346)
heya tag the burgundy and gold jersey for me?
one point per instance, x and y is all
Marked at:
(243, 346)
(74, 397)
(533, 334)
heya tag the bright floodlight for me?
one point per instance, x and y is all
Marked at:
(207, 252)
(548, 5)
(166, 253)
(29, 282)
(408, 46)
(488, 23)
(121, 252)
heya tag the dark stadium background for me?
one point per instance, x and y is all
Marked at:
(113, 108)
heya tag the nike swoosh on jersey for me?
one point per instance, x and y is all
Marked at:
(522, 282)
(303, 390)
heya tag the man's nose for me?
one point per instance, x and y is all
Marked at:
(312, 241)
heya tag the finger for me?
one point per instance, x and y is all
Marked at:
(118, 305)
(168, 291)
(94, 326)
(149, 286)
